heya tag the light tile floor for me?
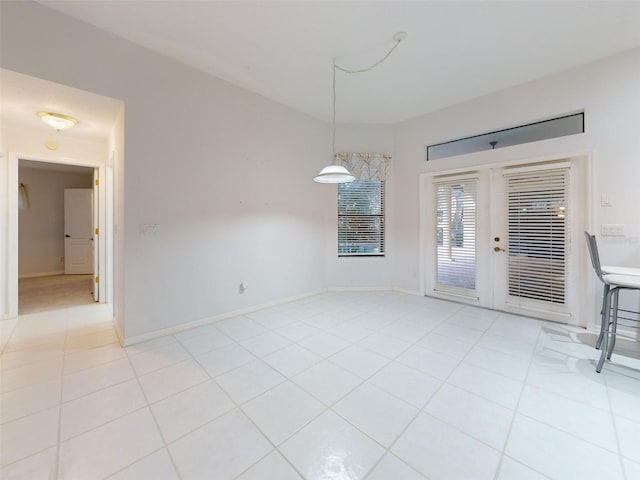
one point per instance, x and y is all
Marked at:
(342, 386)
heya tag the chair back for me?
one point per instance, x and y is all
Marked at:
(593, 253)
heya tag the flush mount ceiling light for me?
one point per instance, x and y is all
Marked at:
(337, 173)
(58, 120)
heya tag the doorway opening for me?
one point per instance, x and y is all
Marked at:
(95, 143)
(97, 255)
(58, 240)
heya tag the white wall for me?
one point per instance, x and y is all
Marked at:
(21, 140)
(41, 226)
(609, 94)
(226, 174)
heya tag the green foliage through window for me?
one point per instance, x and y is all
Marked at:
(361, 218)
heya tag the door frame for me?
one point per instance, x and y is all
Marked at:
(11, 286)
(585, 316)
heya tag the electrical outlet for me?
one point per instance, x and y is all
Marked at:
(612, 230)
(148, 229)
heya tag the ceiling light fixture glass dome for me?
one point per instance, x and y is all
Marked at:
(58, 120)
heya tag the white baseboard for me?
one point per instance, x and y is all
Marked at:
(407, 291)
(126, 342)
(359, 289)
(41, 274)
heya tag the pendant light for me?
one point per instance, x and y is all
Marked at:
(337, 173)
(334, 173)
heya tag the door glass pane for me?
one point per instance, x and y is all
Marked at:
(456, 236)
(537, 232)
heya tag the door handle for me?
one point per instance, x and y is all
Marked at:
(498, 249)
(67, 236)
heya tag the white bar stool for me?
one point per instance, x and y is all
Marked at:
(609, 270)
(614, 280)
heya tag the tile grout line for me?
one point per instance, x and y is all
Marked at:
(238, 407)
(13, 329)
(515, 410)
(276, 448)
(111, 475)
(388, 450)
(155, 421)
(327, 409)
(56, 463)
(615, 430)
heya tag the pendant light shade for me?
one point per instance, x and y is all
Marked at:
(334, 174)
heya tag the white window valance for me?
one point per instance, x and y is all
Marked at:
(365, 166)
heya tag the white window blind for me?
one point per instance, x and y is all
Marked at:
(456, 236)
(361, 218)
(538, 233)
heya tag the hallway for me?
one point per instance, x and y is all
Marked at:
(39, 294)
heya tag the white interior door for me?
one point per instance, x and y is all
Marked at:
(78, 227)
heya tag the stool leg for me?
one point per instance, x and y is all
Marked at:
(602, 317)
(605, 337)
(614, 323)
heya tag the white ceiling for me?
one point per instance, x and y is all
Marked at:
(23, 96)
(55, 167)
(454, 50)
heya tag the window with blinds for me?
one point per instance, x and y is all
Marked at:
(361, 218)
(538, 233)
(456, 236)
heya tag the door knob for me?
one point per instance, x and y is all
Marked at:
(498, 249)
(496, 239)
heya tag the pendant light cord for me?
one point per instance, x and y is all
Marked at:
(333, 144)
(398, 38)
(363, 70)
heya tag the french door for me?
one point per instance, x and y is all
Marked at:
(502, 238)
